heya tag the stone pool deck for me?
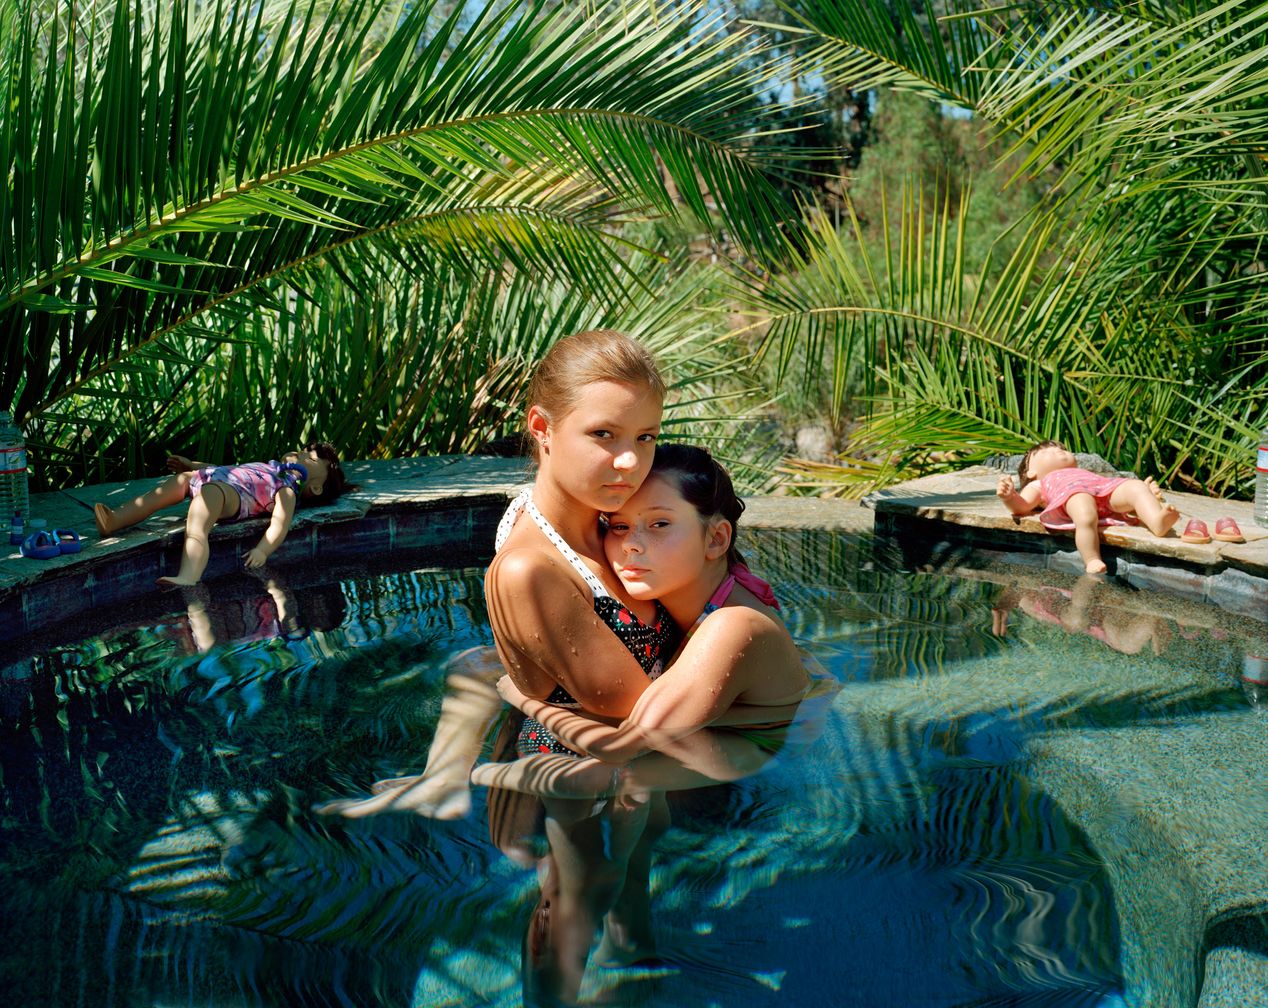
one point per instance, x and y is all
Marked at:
(1178, 809)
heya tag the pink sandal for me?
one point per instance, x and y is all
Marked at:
(1196, 532)
(1226, 530)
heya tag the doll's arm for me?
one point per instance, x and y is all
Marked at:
(180, 464)
(1018, 503)
(275, 534)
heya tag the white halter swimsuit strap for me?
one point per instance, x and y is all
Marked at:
(524, 502)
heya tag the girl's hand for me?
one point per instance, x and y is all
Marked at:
(1004, 488)
(255, 558)
(180, 464)
(509, 692)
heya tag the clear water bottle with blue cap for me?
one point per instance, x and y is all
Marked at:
(14, 499)
(1261, 481)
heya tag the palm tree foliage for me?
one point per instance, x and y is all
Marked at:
(176, 169)
(1131, 317)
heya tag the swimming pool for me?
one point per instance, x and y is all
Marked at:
(938, 844)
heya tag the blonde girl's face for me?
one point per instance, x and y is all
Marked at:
(658, 543)
(601, 451)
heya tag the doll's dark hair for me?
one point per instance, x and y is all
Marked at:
(703, 483)
(1024, 465)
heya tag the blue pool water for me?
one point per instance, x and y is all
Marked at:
(159, 775)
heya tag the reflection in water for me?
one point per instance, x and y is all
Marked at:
(159, 843)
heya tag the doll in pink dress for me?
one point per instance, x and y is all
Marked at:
(1074, 498)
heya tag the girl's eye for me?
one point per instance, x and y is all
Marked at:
(662, 523)
(648, 438)
(601, 434)
(617, 528)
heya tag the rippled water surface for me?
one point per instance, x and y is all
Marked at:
(158, 779)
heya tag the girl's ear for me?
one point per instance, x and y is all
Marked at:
(717, 538)
(539, 426)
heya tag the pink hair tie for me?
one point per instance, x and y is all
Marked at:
(756, 585)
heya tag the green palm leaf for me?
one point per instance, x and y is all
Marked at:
(211, 150)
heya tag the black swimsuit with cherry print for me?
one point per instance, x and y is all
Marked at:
(651, 644)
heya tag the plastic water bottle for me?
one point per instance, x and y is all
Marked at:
(14, 498)
(1261, 481)
(17, 529)
(1255, 679)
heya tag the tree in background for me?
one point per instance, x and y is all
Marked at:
(1123, 313)
(216, 216)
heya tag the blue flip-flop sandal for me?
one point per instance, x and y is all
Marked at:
(67, 540)
(40, 546)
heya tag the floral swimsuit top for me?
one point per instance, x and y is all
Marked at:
(651, 644)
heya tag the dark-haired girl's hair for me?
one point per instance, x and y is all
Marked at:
(336, 481)
(703, 483)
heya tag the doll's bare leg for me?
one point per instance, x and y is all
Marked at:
(170, 492)
(214, 501)
(1144, 499)
(1081, 507)
(467, 712)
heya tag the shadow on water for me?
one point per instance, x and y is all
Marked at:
(158, 780)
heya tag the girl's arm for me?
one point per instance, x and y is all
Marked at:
(731, 652)
(609, 743)
(275, 534)
(548, 634)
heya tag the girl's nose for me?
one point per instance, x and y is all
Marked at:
(625, 461)
(631, 543)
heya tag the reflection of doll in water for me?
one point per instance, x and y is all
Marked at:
(277, 611)
(1078, 610)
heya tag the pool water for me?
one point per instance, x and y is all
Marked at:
(159, 843)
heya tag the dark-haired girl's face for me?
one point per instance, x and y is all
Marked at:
(658, 543)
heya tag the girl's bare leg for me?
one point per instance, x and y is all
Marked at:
(1081, 507)
(589, 854)
(1144, 499)
(170, 492)
(214, 501)
(627, 929)
(467, 712)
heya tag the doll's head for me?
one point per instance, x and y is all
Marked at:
(1043, 458)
